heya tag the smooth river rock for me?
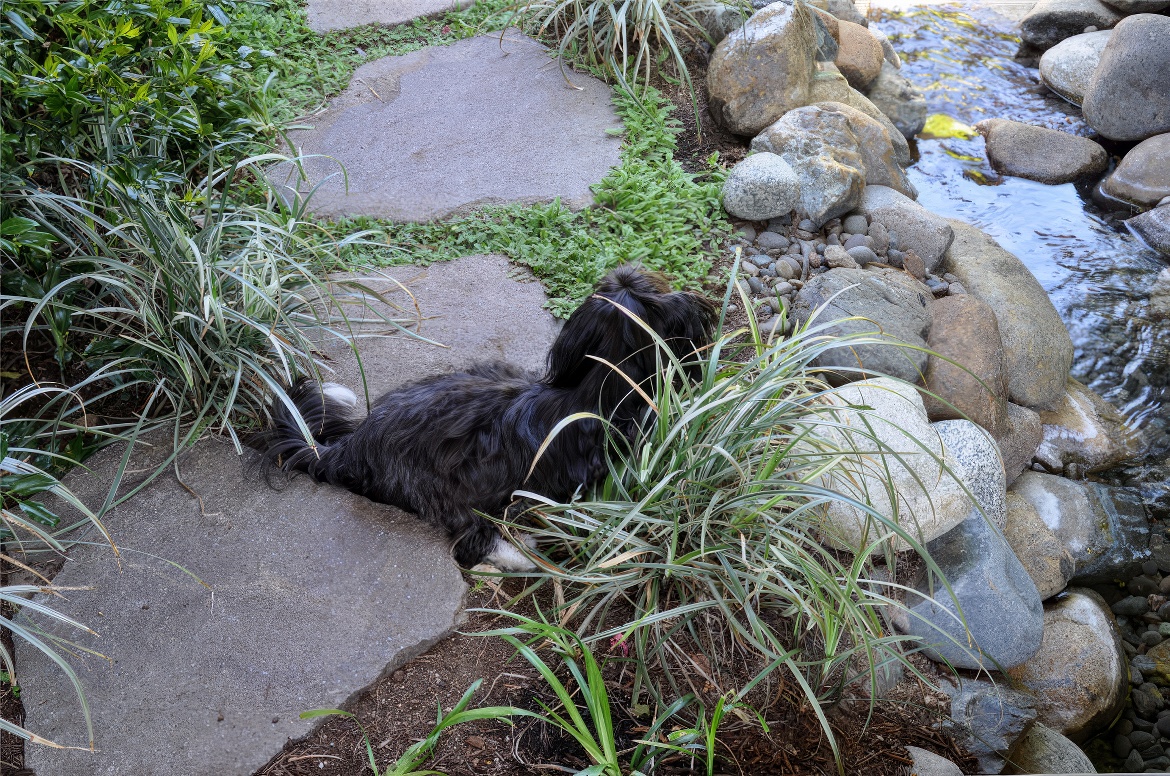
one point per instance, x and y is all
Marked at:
(997, 601)
(1104, 529)
(898, 98)
(1086, 431)
(763, 69)
(927, 234)
(1043, 750)
(1040, 154)
(859, 55)
(836, 151)
(988, 719)
(888, 305)
(1080, 674)
(830, 86)
(448, 129)
(761, 187)
(1018, 444)
(1038, 351)
(1039, 549)
(886, 418)
(1051, 21)
(1127, 98)
(1067, 68)
(1143, 177)
(1153, 227)
(930, 764)
(965, 368)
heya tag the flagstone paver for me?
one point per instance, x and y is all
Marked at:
(326, 15)
(447, 129)
(311, 593)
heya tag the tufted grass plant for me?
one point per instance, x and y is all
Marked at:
(707, 548)
(628, 40)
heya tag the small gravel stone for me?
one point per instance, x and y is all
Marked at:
(881, 238)
(794, 249)
(1122, 746)
(837, 257)
(1135, 677)
(862, 254)
(768, 271)
(1142, 586)
(1131, 606)
(746, 232)
(780, 223)
(859, 239)
(1163, 724)
(1140, 739)
(855, 224)
(832, 239)
(784, 289)
(1164, 629)
(760, 259)
(1142, 724)
(1144, 704)
(1124, 727)
(1151, 638)
(937, 287)
(770, 241)
(955, 289)
(1150, 568)
(914, 264)
(1157, 765)
(894, 258)
(1134, 762)
(755, 285)
(749, 269)
(895, 243)
(1164, 611)
(806, 225)
(803, 235)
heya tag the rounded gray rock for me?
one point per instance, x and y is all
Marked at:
(1143, 177)
(1051, 21)
(898, 98)
(862, 254)
(760, 187)
(1040, 154)
(1153, 227)
(1128, 98)
(1067, 68)
(855, 224)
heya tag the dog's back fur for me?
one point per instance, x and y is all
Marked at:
(449, 446)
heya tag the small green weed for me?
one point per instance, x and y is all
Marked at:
(420, 751)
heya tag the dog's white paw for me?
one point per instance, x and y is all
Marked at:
(340, 394)
(507, 557)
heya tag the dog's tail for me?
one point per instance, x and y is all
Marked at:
(328, 410)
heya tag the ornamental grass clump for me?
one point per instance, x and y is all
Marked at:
(704, 550)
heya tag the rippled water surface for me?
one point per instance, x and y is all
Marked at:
(1097, 274)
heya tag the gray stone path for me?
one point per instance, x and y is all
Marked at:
(313, 593)
(326, 15)
(447, 129)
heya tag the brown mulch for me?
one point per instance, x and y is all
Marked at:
(401, 708)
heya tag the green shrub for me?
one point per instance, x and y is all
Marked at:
(706, 537)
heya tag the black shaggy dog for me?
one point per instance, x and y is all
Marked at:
(449, 446)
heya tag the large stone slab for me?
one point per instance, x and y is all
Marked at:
(313, 592)
(326, 15)
(448, 129)
(478, 308)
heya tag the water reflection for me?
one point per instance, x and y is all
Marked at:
(1097, 274)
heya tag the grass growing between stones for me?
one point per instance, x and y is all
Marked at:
(647, 210)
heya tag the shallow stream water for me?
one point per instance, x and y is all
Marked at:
(1097, 274)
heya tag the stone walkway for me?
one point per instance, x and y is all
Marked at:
(445, 130)
(327, 15)
(311, 593)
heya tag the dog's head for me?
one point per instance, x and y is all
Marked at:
(601, 329)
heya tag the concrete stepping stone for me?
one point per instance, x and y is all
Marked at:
(312, 593)
(326, 15)
(447, 129)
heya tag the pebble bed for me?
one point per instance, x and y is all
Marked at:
(779, 257)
